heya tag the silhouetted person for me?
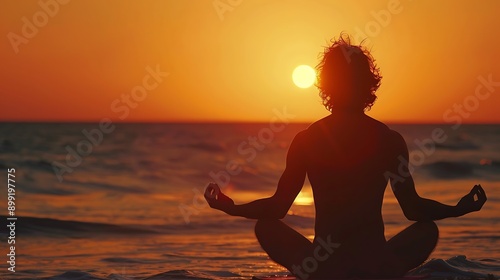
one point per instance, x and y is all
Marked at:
(348, 158)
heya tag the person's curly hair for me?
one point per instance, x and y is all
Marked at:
(347, 76)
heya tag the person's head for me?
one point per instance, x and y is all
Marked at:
(347, 76)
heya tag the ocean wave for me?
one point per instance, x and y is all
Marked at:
(102, 186)
(449, 170)
(458, 146)
(460, 142)
(462, 169)
(458, 267)
(204, 146)
(131, 260)
(55, 228)
(188, 274)
(40, 164)
(73, 229)
(299, 221)
(213, 258)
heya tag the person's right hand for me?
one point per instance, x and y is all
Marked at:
(468, 203)
(217, 200)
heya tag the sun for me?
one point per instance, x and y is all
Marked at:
(304, 76)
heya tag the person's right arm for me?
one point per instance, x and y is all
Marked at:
(417, 208)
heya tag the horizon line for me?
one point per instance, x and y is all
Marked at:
(221, 122)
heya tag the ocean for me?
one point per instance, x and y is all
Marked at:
(124, 201)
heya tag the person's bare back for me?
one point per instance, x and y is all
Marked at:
(346, 157)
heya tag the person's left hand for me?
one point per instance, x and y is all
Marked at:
(468, 203)
(216, 199)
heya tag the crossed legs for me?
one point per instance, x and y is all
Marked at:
(406, 250)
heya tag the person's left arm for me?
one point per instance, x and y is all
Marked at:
(276, 206)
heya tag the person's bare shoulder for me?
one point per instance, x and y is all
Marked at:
(378, 124)
(395, 137)
(318, 123)
(397, 143)
(301, 135)
(394, 140)
(309, 132)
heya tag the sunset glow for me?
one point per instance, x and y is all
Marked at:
(304, 198)
(68, 62)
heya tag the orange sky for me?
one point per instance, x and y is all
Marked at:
(235, 63)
